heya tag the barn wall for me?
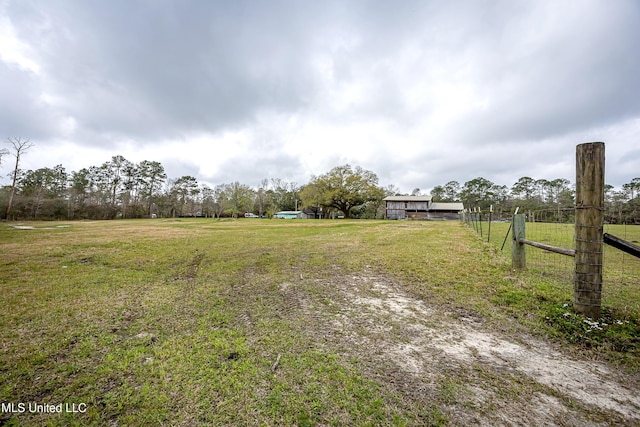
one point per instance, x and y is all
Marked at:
(443, 215)
(417, 215)
(417, 206)
(395, 205)
(395, 214)
(410, 206)
(416, 210)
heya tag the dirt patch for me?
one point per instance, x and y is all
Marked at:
(192, 269)
(590, 382)
(30, 227)
(477, 375)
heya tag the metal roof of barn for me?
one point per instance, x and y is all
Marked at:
(407, 199)
(440, 206)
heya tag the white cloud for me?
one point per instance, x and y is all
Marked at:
(419, 92)
(13, 50)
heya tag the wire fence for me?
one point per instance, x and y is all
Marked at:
(555, 227)
(621, 275)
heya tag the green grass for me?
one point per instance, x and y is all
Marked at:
(180, 322)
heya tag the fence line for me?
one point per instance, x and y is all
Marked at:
(550, 227)
(582, 254)
(621, 271)
(555, 249)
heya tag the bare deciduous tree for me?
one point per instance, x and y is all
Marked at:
(20, 146)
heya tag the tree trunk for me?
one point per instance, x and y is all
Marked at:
(13, 187)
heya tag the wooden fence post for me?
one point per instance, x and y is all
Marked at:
(490, 214)
(474, 218)
(587, 288)
(518, 252)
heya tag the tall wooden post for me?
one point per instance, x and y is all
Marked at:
(518, 252)
(474, 218)
(587, 289)
(490, 214)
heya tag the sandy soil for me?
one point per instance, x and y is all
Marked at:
(479, 376)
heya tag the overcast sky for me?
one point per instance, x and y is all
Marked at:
(419, 92)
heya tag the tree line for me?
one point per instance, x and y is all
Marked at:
(530, 194)
(119, 188)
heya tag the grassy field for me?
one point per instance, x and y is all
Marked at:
(252, 322)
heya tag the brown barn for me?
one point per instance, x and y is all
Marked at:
(441, 210)
(419, 207)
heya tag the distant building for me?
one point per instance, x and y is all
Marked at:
(290, 215)
(419, 207)
(445, 210)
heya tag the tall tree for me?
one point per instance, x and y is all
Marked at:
(344, 188)
(555, 190)
(152, 176)
(284, 195)
(617, 203)
(185, 189)
(543, 186)
(261, 204)
(451, 191)
(78, 191)
(130, 195)
(632, 188)
(114, 170)
(99, 191)
(220, 200)
(478, 192)
(438, 193)
(525, 188)
(31, 185)
(374, 207)
(44, 187)
(239, 198)
(632, 206)
(391, 190)
(313, 199)
(19, 146)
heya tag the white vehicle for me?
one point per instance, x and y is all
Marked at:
(250, 215)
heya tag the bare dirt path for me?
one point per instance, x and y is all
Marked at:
(477, 376)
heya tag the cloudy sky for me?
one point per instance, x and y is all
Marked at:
(419, 92)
